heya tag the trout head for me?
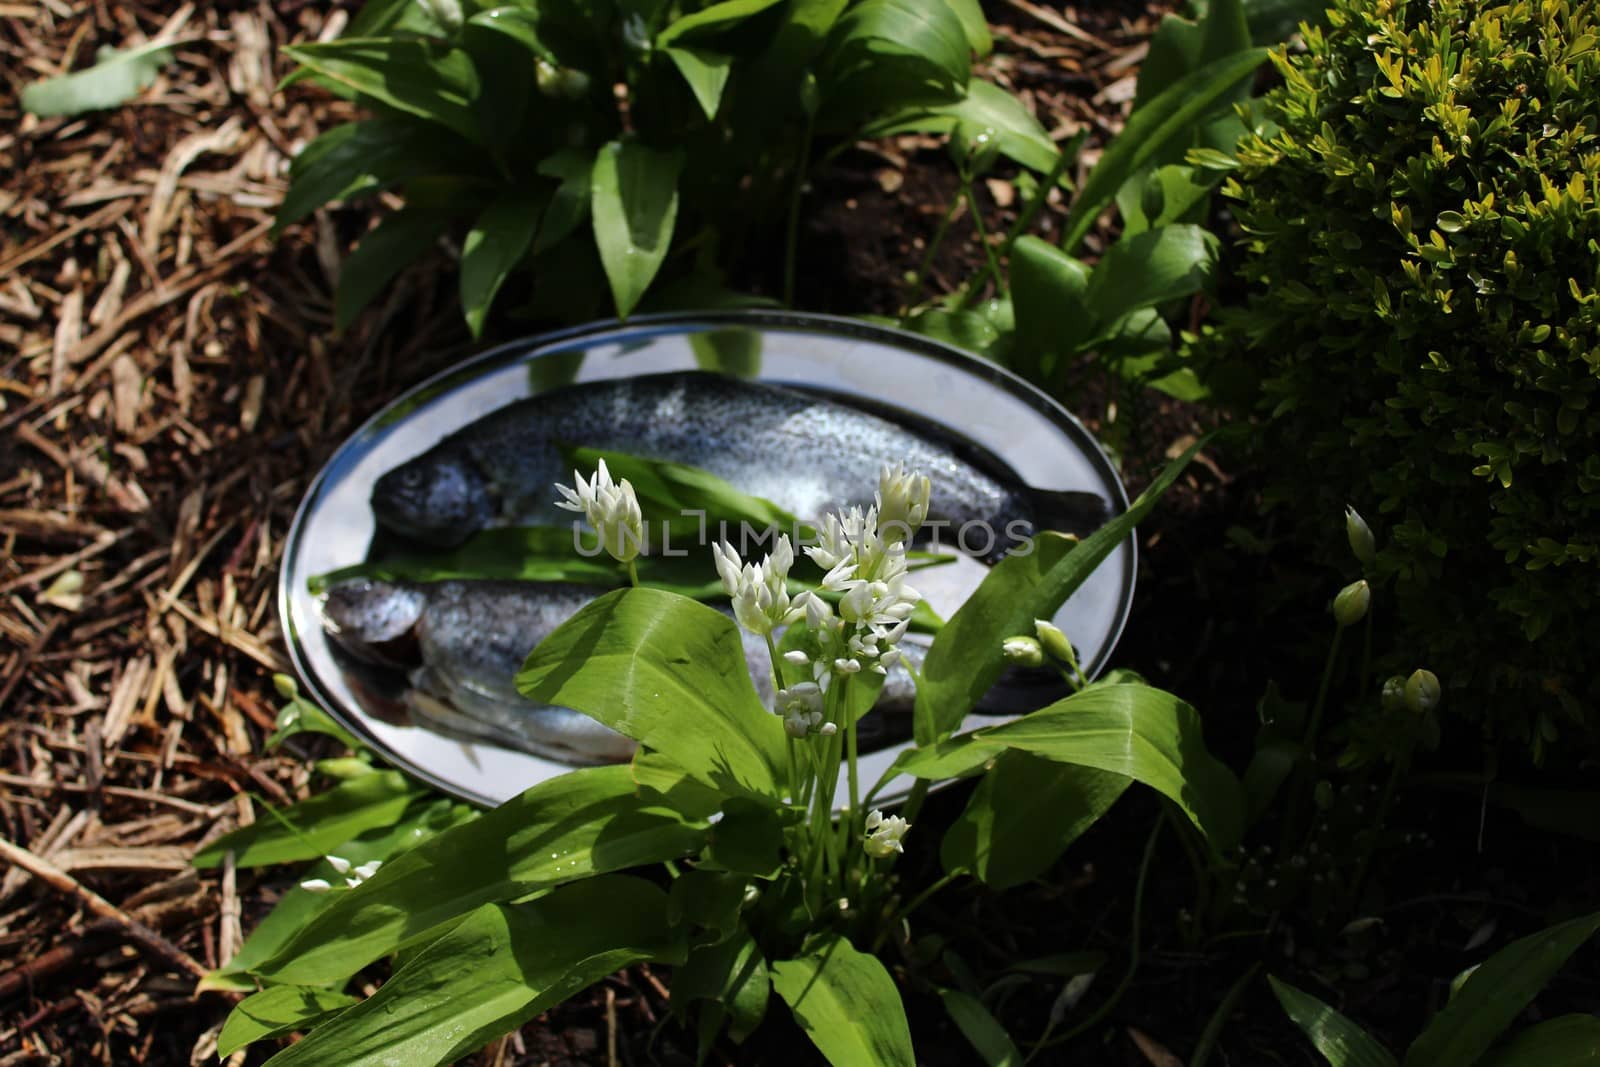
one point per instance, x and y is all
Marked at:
(440, 498)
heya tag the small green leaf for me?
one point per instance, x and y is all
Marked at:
(411, 74)
(498, 967)
(311, 828)
(713, 19)
(1341, 1041)
(889, 54)
(634, 203)
(1048, 294)
(398, 241)
(706, 71)
(1023, 815)
(986, 106)
(993, 1045)
(669, 673)
(847, 1004)
(1170, 116)
(277, 1011)
(583, 823)
(570, 203)
(366, 156)
(1567, 1041)
(1150, 268)
(730, 973)
(116, 78)
(1495, 994)
(1175, 193)
(494, 246)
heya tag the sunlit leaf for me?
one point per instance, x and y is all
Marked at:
(309, 829)
(278, 1011)
(582, 823)
(1341, 1042)
(669, 673)
(115, 78)
(498, 967)
(634, 203)
(847, 1004)
(494, 246)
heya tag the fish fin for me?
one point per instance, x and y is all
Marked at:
(1070, 510)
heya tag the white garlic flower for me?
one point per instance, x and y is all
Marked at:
(353, 875)
(759, 591)
(612, 509)
(902, 503)
(801, 706)
(883, 834)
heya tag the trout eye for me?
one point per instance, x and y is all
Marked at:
(411, 479)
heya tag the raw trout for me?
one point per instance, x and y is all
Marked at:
(463, 643)
(808, 454)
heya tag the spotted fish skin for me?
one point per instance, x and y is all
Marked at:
(805, 453)
(469, 639)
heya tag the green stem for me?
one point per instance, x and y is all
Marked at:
(792, 235)
(1309, 742)
(854, 817)
(633, 574)
(1111, 1002)
(992, 262)
(1024, 222)
(915, 287)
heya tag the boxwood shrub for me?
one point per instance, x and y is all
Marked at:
(1420, 337)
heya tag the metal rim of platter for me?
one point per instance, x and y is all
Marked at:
(974, 399)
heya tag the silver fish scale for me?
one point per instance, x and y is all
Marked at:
(807, 455)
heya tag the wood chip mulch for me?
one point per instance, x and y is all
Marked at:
(169, 384)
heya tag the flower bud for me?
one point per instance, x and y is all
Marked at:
(1350, 606)
(1394, 693)
(1422, 691)
(810, 94)
(1022, 651)
(1055, 642)
(1360, 535)
(286, 687)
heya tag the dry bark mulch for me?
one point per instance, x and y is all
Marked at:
(169, 384)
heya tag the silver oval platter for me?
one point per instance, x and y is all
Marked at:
(884, 370)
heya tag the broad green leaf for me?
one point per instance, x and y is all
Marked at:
(892, 54)
(669, 673)
(1495, 994)
(706, 71)
(312, 827)
(1269, 768)
(1150, 268)
(398, 241)
(1023, 815)
(365, 156)
(586, 822)
(986, 106)
(974, 25)
(963, 329)
(382, 18)
(748, 839)
(847, 1004)
(570, 203)
(634, 203)
(1179, 46)
(1048, 296)
(713, 19)
(277, 1011)
(993, 1045)
(805, 25)
(1173, 115)
(496, 244)
(1567, 1041)
(1341, 1042)
(115, 78)
(519, 24)
(411, 74)
(966, 658)
(732, 974)
(296, 907)
(1142, 733)
(499, 967)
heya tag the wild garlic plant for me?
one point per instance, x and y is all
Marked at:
(738, 847)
